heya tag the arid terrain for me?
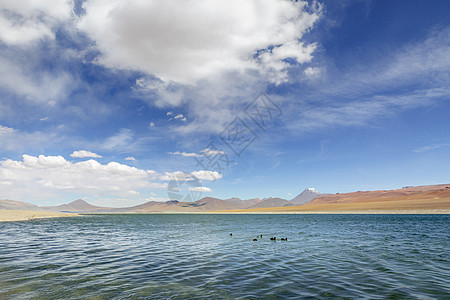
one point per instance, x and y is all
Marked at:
(24, 215)
(419, 199)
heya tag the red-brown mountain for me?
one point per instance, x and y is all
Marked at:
(77, 206)
(272, 202)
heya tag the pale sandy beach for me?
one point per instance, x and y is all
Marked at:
(23, 215)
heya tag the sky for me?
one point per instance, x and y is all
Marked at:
(123, 102)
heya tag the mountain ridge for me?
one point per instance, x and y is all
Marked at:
(309, 198)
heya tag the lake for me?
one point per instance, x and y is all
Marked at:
(178, 256)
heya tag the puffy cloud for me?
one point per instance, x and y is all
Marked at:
(312, 72)
(185, 154)
(211, 152)
(84, 153)
(192, 40)
(180, 117)
(200, 189)
(43, 161)
(6, 130)
(207, 175)
(24, 21)
(50, 176)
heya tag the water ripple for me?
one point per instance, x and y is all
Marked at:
(193, 256)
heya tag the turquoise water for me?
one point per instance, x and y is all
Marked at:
(193, 256)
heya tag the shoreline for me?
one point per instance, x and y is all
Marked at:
(29, 215)
(343, 212)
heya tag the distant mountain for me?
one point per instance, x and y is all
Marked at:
(272, 202)
(418, 197)
(425, 193)
(306, 196)
(202, 205)
(78, 206)
(240, 204)
(18, 205)
(212, 204)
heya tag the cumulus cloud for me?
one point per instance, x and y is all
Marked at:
(25, 21)
(192, 40)
(200, 189)
(207, 175)
(84, 153)
(6, 130)
(47, 176)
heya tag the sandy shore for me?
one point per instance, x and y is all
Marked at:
(409, 206)
(285, 212)
(23, 215)
(343, 212)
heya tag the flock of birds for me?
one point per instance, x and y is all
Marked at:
(274, 238)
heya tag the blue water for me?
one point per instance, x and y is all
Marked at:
(193, 256)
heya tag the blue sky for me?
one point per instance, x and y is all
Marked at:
(111, 101)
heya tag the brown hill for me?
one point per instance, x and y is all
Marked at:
(18, 205)
(238, 203)
(272, 202)
(79, 206)
(407, 193)
(428, 199)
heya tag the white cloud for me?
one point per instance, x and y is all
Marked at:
(6, 130)
(192, 40)
(207, 175)
(185, 154)
(152, 124)
(200, 189)
(50, 176)
(84, 153)
(313, 72)
(19, 77)
(25, 21)
(131, 158)
(180, 117)
(210, 152)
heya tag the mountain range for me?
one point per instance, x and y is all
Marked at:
(418, 198)
(202, 205)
